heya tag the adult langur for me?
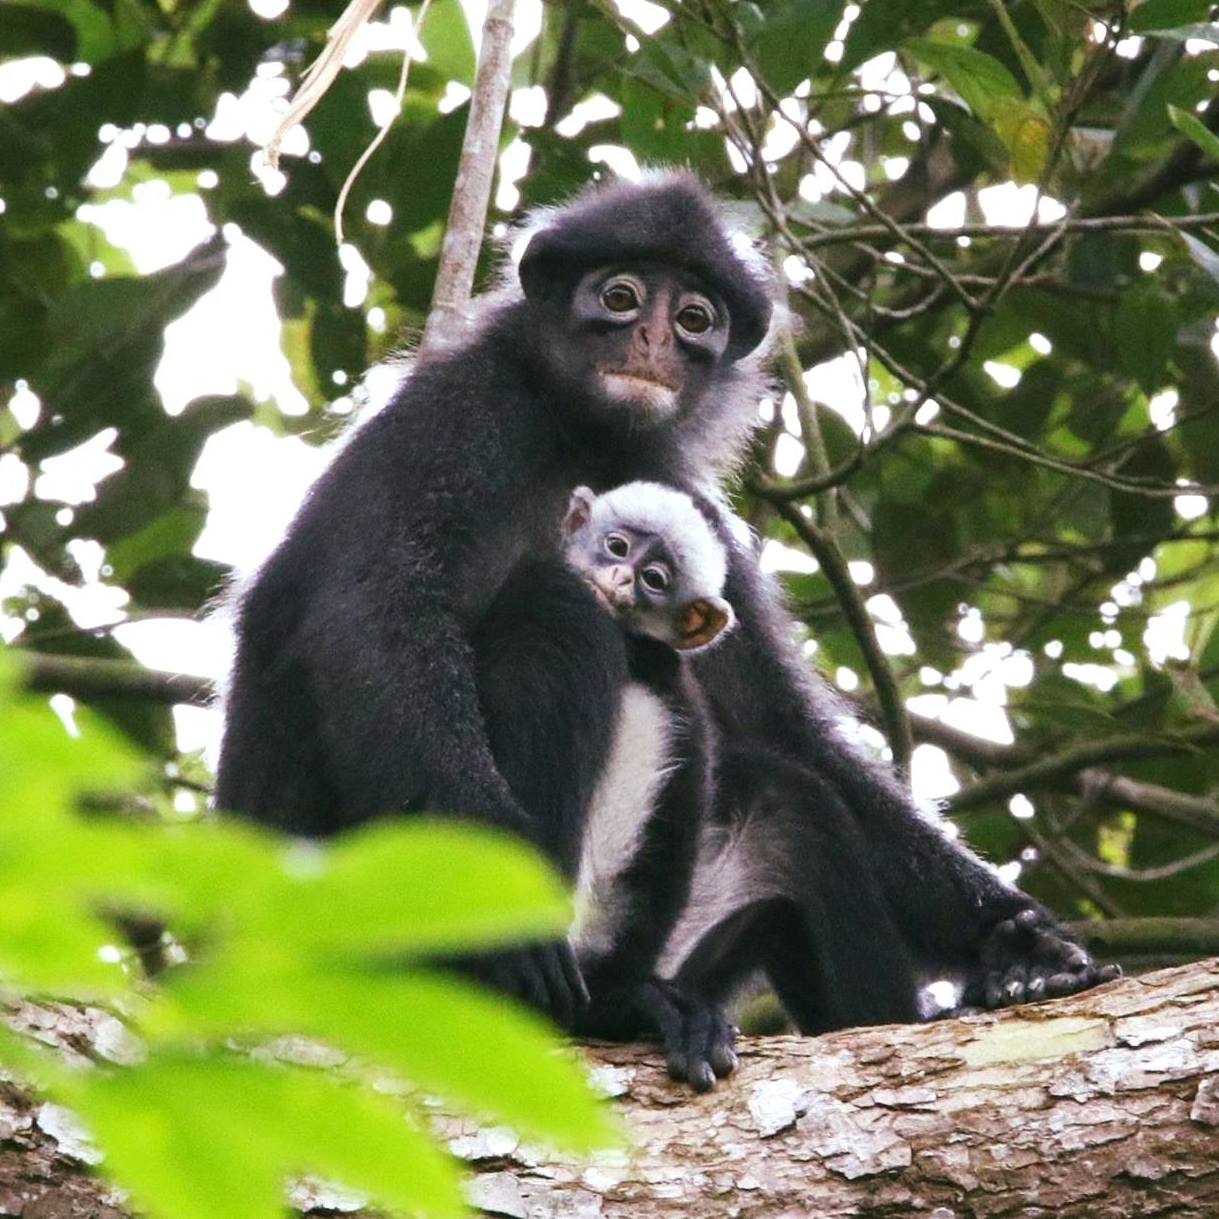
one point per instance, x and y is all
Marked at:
(416, 641)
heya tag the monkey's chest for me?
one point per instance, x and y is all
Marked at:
(626, 794)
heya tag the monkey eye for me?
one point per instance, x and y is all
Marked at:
(695, 319)
(617, 545)
(655, 578)
(620, 296)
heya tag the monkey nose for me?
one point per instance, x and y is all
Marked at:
(621, 576)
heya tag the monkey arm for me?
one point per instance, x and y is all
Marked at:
(400, 716)
(403, 728)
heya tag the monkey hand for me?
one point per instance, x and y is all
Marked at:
(699, 1041)
(1030, 957)
(545, 976)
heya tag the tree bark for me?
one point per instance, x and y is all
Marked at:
(1102, 1106)
(472, 190)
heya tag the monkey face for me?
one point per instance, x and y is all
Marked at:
(650, 338)
(651, 561)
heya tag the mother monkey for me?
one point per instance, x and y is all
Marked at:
(415, 642)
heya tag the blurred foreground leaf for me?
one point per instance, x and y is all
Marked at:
(213, 1137)
(283, 938)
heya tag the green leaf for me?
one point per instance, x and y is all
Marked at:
(885, 24)
(171, 533)
(468, 886)
(982, 82)
(654, 127)
(995, 97)
(791, 39)
(48, 947)
(1191, 126)
(27, 30)
(436, 1032)
(446, 38)
(168, 1129)
(1155, 15)
(1026, 135)
(671, 68)
(43, 767)
(1145, 327)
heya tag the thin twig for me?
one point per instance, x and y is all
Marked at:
(852, 233)
(893, 709)
(320, 76)
(382, 132)
(1046, 772)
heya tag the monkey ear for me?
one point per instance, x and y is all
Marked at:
(579, 510)
(702, 622)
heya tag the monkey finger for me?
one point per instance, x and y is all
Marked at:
(1107, 973)
(573, 978)
(1074, 958)
(1060, 984)
(529, 981)
(666, 1016)
(700, 1036)
(557, 977)
(993, 991)
(721, 1052)
(699, 1074)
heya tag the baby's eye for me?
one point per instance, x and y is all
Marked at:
(617, 545)
(655, 578)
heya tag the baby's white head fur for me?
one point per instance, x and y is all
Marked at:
(656, 508)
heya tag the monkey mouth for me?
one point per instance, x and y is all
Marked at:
(627, 374)
(658, 396)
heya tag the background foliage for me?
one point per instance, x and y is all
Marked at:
(1027, 462)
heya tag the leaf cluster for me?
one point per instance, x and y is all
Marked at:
(336, 942)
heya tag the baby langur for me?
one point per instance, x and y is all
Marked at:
(653, 561)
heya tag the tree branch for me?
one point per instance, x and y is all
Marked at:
(893, 709)
(1101, 1105)
(90, 677)
(1081, 224)
(1049, 771)
(1123, 937)
(472, 191)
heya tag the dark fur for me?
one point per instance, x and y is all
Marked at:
(395, 654)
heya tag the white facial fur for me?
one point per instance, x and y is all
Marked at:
(657, 400)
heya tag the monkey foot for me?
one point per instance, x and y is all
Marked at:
(1030, 957)
(545, 976)
(698, 1039)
